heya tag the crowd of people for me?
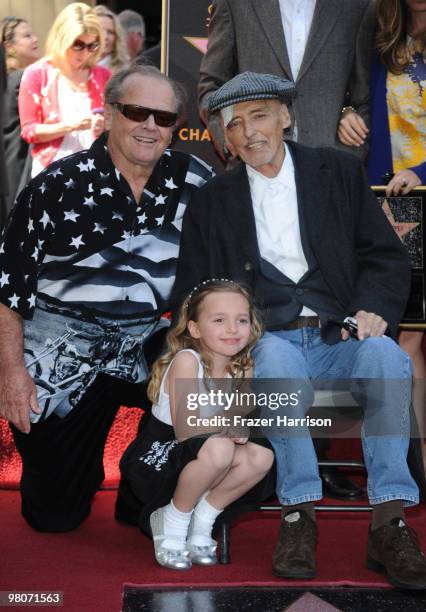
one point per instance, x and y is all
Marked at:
(259, 266)
(54, 103)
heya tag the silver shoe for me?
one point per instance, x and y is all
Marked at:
(173, 558)
(201, 555)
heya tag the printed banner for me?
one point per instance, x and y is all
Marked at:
(185, 28)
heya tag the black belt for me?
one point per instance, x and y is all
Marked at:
(304, 322)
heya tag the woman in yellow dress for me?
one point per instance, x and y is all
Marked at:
(398, 128)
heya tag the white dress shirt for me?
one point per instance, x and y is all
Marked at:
(277, 221)
(296, 16)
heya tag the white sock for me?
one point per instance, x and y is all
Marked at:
(204, 517)
(176, 523)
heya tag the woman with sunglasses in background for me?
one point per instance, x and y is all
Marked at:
(21, 50)
(114, 54)
(61, 96)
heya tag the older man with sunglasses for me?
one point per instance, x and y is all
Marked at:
(87, 263)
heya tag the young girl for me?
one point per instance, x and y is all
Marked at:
(197, 476)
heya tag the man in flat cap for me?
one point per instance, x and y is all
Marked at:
(301, 227)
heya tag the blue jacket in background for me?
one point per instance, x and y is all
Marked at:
(380, 150)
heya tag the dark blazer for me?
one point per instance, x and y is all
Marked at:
(4, 188)
(248, 35)
(17, 153)
(358, 252)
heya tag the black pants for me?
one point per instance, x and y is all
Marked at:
(63, 458)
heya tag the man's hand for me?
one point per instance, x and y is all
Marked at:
(402, 183)
(369, 324)
(18, 395)
(352, 130)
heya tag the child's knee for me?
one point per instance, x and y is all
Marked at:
(260, 458)
(219, 452)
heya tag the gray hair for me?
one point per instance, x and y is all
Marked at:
(131, 21)
(114, 88)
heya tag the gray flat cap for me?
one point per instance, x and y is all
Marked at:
(251, 86)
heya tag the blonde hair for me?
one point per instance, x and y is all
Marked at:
(119, 58)
(179, 337)
(76, 19)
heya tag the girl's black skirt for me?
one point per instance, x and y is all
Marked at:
(150, 469)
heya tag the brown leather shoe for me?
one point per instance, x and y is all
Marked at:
(295, 553)
(394, 550)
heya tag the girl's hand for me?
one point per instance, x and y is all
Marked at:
(239, 440)
(238, 434)
(403, 182)
(98, 123)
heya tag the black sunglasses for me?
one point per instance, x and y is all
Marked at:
(79, 45)
(141, 113)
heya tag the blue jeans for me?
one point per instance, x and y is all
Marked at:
(301, 354)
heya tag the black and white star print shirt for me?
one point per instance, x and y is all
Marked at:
(78, 238)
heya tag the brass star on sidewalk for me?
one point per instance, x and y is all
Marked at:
(401, 228)
(198, 42)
